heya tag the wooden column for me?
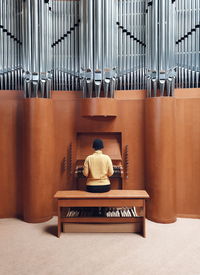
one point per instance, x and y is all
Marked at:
(160, 158)
(38, 163)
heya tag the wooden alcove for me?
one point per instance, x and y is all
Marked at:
(38, 150)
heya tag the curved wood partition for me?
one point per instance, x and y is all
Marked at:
(38, 159)
(106, 107)
(10, 154)
(160, 159)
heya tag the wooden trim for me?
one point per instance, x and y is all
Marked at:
(191, 216)
(113, 194)
(38, 220)
(102, 228)
(59, 221)
(160, 220)
(102, 220)
(187, 93)
(100, 202)
(144, 221)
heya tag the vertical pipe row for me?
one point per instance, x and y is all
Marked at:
(160, 66)
(98, 44)
(36, 48)
(10, 45)
(131, 44)
(188, 43)
(65, 18)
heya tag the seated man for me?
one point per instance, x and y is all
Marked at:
(97, 168)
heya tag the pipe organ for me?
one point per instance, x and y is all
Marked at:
(126, 71)
(98, 46)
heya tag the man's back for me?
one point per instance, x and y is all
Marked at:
(98, 167)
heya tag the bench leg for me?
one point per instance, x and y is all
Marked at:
(144, 221)
(59, 222)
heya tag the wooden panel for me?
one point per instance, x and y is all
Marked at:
(11, 95)
(101, 220)
(10, 154)
(39, 153)
(187, 93)
(130, 94)
(160, 159)
(102, 228)
(188, 157)
(131, 120)
(99, 107)
(112, 144)
(62, 95)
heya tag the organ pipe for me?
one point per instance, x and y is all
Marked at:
(160, 65)
(36, 48)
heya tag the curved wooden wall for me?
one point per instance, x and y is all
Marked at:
(160, 159)
(38, 159)
(10, 154)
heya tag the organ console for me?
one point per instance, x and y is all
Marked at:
(125, 71)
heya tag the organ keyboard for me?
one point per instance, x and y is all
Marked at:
(118, 171)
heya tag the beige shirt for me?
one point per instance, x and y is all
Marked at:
(97, 168)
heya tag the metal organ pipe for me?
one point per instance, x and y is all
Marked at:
(98, 46)
(36, 48)
(188, 43)
(97, 59)
(10, 44)
(160, 40)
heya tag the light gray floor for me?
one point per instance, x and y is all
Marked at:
(27, 249)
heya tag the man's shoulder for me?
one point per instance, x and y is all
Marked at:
(105, 156)
(88, 157)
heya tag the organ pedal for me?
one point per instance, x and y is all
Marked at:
(74, 212)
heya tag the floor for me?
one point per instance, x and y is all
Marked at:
(27, 249)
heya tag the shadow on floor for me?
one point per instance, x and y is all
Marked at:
(51, 229)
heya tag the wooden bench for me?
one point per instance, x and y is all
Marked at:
(113, 198)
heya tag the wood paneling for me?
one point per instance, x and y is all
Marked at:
(10, 154)
(163, 150)
(187, 93)
(69, 122)
(99, 107)
(188, 156)
(102, 228)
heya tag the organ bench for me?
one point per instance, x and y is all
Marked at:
(115, 198)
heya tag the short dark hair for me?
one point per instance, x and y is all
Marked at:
(97, 144)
